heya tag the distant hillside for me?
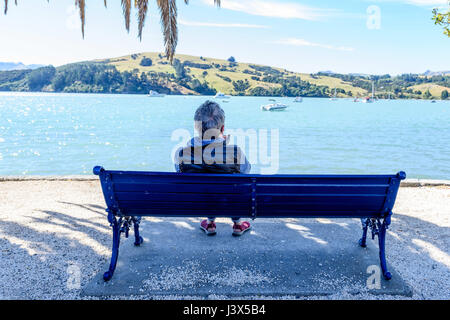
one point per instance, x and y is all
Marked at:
(140, 73)
(436, 73)
(7, 66)
(235, 78)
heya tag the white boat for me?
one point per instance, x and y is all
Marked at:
(274, 107)
(370, 99)
(220, 95)
(155, 94)
(298, 99)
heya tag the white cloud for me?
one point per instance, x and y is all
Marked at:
(275, 9)
(221, 25)
(305, 43)
(418, 2)
(426, 2)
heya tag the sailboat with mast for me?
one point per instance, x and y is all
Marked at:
(370, 99)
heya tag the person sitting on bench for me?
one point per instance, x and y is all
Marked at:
(212, 153)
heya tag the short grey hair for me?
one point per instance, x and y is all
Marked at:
(210, 115)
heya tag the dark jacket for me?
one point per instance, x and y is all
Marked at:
(211, 156)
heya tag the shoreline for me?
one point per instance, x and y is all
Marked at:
(202, 95)
(408, 183)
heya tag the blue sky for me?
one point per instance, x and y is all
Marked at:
(377, 36)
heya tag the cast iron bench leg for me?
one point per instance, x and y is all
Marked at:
(138, 239)
(365, 225)
(116, 225)
(381, 243)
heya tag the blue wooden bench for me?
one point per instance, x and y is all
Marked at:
(131, 195)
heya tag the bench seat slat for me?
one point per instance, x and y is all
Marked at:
(183, 188)
(320, 189)
(246, 214)
(316, 214)
(212, 206)
(180, 178)
(145, 177)
(176, 197)
(186, 213)
(309, 207)
(319, 180)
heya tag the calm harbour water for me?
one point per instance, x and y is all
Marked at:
(65, 134)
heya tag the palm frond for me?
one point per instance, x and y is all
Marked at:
(126, 8)
(168, 9)
(142, 6)
(81, 4)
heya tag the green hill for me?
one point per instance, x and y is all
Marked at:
(142, 72)
(220, 75)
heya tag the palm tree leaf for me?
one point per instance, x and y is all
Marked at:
(142, 6)
(126, 7)
(82, 5)
(168, 9)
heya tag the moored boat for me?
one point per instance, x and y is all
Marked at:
(221, 95)
(153, 94)
(274, 107)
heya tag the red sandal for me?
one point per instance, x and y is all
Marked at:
(209, 228)
(239, 229)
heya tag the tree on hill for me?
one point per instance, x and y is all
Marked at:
(41, 77)
(444, 95)
(427, 94)
(231, 59)
(146, 62)
(167, 8)
(179, 69)
(240, 86)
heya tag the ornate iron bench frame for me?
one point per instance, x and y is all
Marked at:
(262, 196)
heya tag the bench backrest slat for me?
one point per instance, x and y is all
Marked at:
(194, 195)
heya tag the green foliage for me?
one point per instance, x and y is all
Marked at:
(442, 19)
(260, 91)
(179, 69)
(202, 88)
(266, 70)
(444, 95)
(13, 75)
(197, 65)
(146, 62)
(231, 59)
(241, 86)
(224, 78)
(193, 75)
(41, 77)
